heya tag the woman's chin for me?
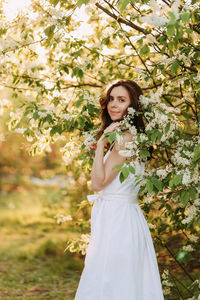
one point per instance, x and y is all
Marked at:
(116, 119)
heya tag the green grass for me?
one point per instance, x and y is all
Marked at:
(33, 264)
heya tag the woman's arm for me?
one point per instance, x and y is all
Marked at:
(102, 173)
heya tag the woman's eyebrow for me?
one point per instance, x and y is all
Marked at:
(119, 96)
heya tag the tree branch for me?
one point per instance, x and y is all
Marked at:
(180, 265)
(121, 20)
(141, 59)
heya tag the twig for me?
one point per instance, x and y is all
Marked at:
(185, 271)
(141, 59)
(167, 100)
(176, 286)
(121, 20)
(180, 282)
(166, 2)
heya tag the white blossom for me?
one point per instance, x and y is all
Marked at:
(193, 238)
(190, 212)
(188, 248)
(133, 130)
(62, 219)
(126, 153)
(20, 130)
(42, 114)
(187, 177)
(131, 110)
(143, 137)
(162, 173)
(154, 20)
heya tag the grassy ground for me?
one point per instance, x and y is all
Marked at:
(33, 264)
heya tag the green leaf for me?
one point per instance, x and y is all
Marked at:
(65, 68)
(117, 167)
(80, 101)
(157, 183)
(77, 72)
(170, 30)
(111, 136)
(186, 115)
(81, 2)
(174, 67)
(49, 31)
(167, 127)
(144, 153)
(121, 177)
(149, 186)
(48, 118)
(184, 197)
(131, 169)
(161, 206)
(125, 172)
(35, 115)
(159, 135)
(80, 73)
(177, 179)
(154, 135)
(168, 207)
(171, 183)
(54, 129)
(172, 17)
(144, 50)
(91, 108)
(54, 2)
(196, 153)
(192, 192)
(184, 256)
(28, 110)
(81, 121)
(124, 4)
(185, 17)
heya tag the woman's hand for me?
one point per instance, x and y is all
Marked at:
(110, 128)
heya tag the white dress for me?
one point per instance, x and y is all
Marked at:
(120, 262)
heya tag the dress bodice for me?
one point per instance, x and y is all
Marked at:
(128, 186)
(125, 191)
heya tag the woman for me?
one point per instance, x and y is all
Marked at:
(120, 263)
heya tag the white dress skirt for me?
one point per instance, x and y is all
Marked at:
(120, 262)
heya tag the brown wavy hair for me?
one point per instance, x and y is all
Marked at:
(134, 92)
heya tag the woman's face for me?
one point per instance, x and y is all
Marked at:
(118, 103)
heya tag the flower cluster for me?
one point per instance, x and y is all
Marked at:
(90, 139)
(192, 211)
(79, 245)
(70, 151)
(166, 283)
(62, 219)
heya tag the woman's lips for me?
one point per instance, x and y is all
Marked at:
(114, 112)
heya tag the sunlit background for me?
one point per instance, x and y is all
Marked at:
(36, 192)
(13, 7)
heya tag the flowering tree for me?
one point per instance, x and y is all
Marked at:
(156, 43)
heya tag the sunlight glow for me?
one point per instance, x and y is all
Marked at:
(12, 7)
(84, 29)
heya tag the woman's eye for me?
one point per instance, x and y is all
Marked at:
(121, 100)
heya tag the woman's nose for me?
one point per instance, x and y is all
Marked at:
(114, 103)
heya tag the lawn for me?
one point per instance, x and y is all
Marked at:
(33, 264)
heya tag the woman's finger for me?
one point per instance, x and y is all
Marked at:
(111, 127)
